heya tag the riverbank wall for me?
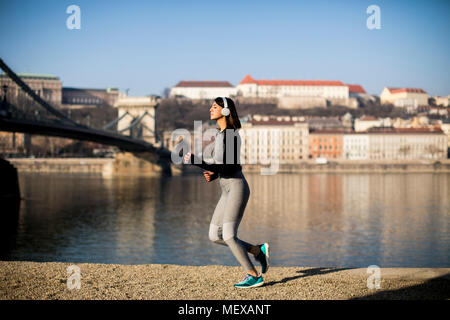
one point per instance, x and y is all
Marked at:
(128, 164)
(358, 166)
(123, 164)
(101, 166)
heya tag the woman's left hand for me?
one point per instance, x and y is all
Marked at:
(187, 158)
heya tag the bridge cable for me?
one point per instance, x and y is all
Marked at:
(112, 123)
(135, 122)
(34, 96)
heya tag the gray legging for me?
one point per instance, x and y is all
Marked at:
(227, 216)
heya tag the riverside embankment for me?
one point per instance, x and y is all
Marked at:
(128, 164)
(123, 164)
(33, 280)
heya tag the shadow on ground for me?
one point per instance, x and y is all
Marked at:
(434, 289)
(307, 273)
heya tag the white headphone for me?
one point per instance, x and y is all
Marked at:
(225, 109)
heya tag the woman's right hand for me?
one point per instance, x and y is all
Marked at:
(208, 175)
(187, 158)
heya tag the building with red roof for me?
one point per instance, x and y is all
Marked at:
(263, 88)
(355, 89)
(411, 98)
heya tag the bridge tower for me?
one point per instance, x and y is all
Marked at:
(137, 117)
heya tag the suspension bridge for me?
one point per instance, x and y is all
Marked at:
(43, 119)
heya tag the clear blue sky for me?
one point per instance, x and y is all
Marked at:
(149, 45)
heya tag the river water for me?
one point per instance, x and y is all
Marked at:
(323, 220)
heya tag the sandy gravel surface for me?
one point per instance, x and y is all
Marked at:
(32, 280)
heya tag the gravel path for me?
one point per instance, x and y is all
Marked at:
(32, 280)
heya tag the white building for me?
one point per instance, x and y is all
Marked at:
(46, 86)
(407, 144)
(406, 103)
(404, 97)
(439, 111)
(203, 89)
(366, 122)
(266, 137)
(355, 146)
(250, 87)
(445, 126)
(442, 101)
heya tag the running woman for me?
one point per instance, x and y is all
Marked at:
(235, 192)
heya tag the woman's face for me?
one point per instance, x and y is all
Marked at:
(215, 111)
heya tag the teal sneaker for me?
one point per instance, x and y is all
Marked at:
(263, 257)
(250, 281)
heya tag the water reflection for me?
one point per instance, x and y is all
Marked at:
(355, 219)
(322, 220)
